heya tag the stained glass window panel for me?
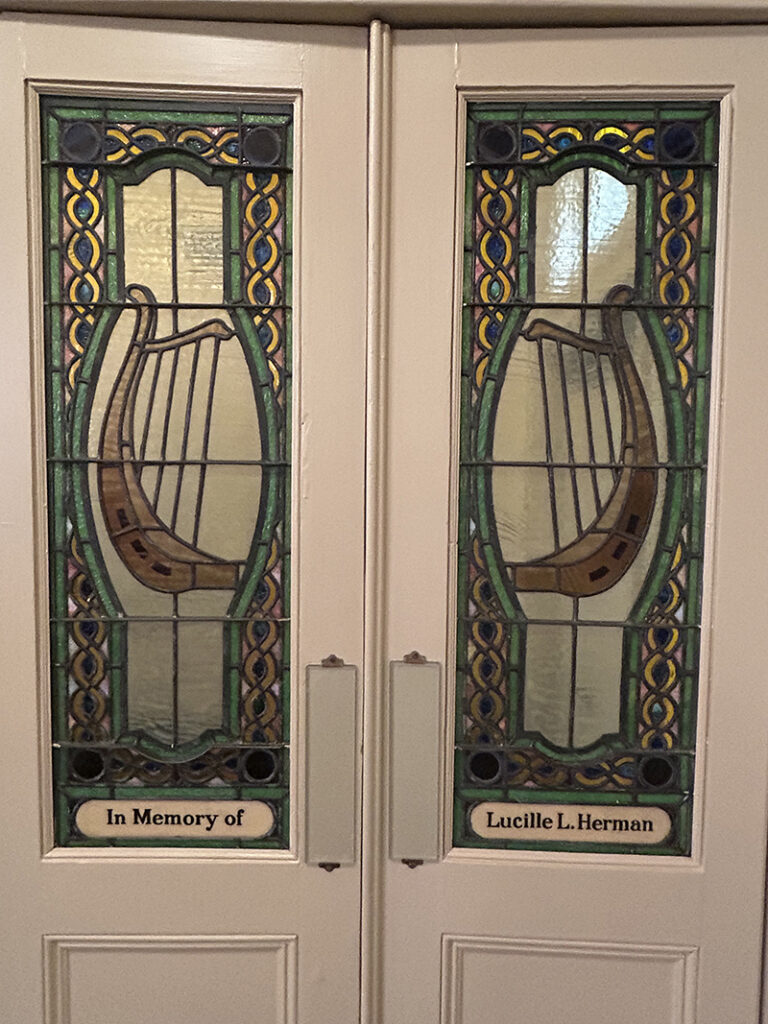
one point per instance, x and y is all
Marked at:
(587, 320)
(168, 316)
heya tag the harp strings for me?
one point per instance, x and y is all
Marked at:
(185, 435)
(190, 386)
(560, 431)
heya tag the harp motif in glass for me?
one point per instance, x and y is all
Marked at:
(167, 321)
(585, 390)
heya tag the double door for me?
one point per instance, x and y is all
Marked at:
(402, 869)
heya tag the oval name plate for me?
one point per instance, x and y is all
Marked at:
(175, 819)
(571, 823)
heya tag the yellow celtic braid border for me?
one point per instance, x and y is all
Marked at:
(83, 209)
(264, 271)
(675, 265)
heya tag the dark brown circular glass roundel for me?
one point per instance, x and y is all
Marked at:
(656, 772)
(260, 765)
(87, 765)
(678, 141)
(81, 141)
(484, 766)
(261, 146)
(497, 142)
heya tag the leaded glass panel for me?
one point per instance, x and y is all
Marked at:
(168, 330)
(589, 238)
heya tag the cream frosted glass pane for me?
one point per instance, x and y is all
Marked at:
(568, 527)
(559, 239)
(546, 605)
(229, 508)
(594, 696)
(148, 213)
(604, 408)
(610, 220)
(574, 372)
(523, 510)
(556, 403)
(586, 486)
(597, 693)
(200, 696)
(519, 432)
(147, 238)
(199, 239)
(611, 233)
(234, 430)
(642, 355)
(150, 692)
(548, 682)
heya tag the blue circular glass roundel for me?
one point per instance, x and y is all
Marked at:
(81, 141)
(496, 142)
(678, 141)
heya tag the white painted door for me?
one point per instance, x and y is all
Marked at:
(531, 934)
(94, 935)
(120, 934)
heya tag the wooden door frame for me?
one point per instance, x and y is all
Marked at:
(420, 13)
(399, 14)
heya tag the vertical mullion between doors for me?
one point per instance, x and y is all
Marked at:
(371, 907)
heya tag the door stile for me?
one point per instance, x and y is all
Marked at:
(184, 893)
(375, 674)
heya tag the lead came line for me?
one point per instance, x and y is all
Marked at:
(185, 437)
(175, 319)
(569, 437)
(590, 438)
(574, 653)
(206, 439)
(175, 691)
(548, 432)
(150, 410)
(606, 412)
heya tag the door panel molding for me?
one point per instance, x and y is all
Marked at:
(679, 965)
(61, 952)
